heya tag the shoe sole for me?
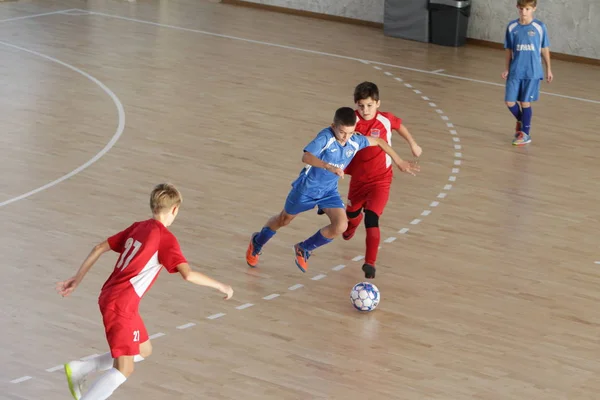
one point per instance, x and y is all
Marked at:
(296, 260)
(69, 373)
(251, 239)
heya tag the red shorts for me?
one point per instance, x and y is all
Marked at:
(124, 332)
(370, 196)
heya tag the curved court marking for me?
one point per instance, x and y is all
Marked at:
(109, 145)
(455, 170)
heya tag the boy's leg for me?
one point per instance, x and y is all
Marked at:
(510, 97)
(356, 199)
(295, 204)
(374, 206)
(124, 334)
(530, 93)
(333, 206)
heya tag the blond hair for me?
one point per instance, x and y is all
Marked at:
(525, 3)
(163, 197)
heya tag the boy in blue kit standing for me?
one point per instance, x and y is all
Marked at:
(325, 158)
(526, 44)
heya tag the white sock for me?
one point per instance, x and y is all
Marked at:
(138, 358)
(100, 363)
(105, 385)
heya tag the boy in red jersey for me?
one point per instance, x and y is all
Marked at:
(144, 249)
(371, 170)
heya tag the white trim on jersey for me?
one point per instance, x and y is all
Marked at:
(327, 145)
(512, 26)
(387, 124)
(142, 281)
(540, 31)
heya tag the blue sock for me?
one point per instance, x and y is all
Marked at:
(527, 114)
(516, 111)
(316, 240)
(263, 237)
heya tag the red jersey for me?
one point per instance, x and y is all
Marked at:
(372, 163)
(144, 247)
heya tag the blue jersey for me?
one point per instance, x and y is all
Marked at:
(316, 182)
(526, 43)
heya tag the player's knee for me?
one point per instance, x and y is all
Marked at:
(146, 350)
(371, 219)
(353, 214)
(284, 219)
(525, 105)
(340, 227)
(510, 104)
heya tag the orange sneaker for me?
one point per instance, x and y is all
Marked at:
(301, 257)
(252, 255)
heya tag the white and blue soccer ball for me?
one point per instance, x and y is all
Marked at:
(365, 296)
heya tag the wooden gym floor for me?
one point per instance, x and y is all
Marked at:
(489, 283)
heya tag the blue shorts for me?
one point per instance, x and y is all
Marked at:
(297, 202)
(524, 90)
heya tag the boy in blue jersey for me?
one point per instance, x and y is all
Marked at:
(325, 158)
(526, 44)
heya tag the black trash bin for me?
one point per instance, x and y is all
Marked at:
(449, 20)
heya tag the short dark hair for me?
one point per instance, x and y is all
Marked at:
(344, 116)
(365, 90)
(525, 3)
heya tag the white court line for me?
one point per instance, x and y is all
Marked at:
(56, 368)
(403, 230)
(37, 15)
(415, 221)
(426, 213)
(437, 71)
(21, 379)
(434, 204)
(157, 335)
(455, 170)
(89, 357)
(448, 187)
(271, 296)
(215, 316)
(244, 306)
(457, 147)
(596, 262)
(185, 326)
(388, 73)
(441, 195)
(296, 286)
(390, 239)
(141, 21)
(318, 277)
(338, 267)
(452, 178)
(399, 79)
(109, 145)
(358, 258)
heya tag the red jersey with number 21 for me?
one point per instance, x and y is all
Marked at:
(372, 163)
(144, 248)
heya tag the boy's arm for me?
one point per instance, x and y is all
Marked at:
(311, 159)
(67, 287)
(546, 58)
(405, 166)
(199, 278)
(507, 61)
(414, 147)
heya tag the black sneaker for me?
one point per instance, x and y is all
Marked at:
(369, 271)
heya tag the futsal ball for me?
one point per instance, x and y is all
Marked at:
(365, 296)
